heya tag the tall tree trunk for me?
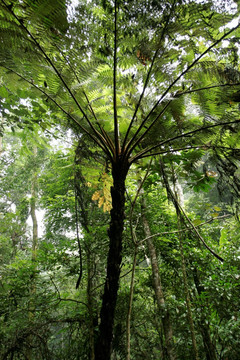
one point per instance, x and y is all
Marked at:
(177, 203)
(34, 194)
(34, 249)
(104, 341)
(175, 198)
(157, 285)
(188, 301)
(130, 304)
(35, 223)
(207, 341)
(90, 306)
(81, 199)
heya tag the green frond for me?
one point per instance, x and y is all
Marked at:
(52, 14)
(67, 59)
(104, 74)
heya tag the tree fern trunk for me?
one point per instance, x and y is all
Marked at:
(104, 341)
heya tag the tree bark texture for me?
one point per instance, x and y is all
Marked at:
(157, 285)
(104, 340)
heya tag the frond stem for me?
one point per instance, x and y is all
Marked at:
(204, 147)
(84, 93)
(190, 133)
(148, 75)
(149, 128)
(204, 88)
(103, 132)
(172, 84)
(54, 68)
(116, 128)
(182, 213)
(60, 107)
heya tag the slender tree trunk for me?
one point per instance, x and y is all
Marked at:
(166, 321)
(178, 203)
(187, 298)
(130, 304)
(175, 198)
(14, 243)
(90, 306)
(35, 223)
(33, 211)
(82, 201)
(34, 250)
(104, 341)
(207, 341)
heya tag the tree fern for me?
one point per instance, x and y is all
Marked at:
(136, 78)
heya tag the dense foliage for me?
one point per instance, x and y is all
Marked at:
(128, 111)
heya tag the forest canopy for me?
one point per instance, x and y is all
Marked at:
(119, 155)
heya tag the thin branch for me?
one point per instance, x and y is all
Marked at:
(73, 300)
(141, 185)
(116, 128)
(122, 276)
(77, 231)
(134, 202)
(54, 68)
(190, 133)
(70, 320)
(61, 299)
(182, 213)
(183, 230)
(173, 83)
(148, 75)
